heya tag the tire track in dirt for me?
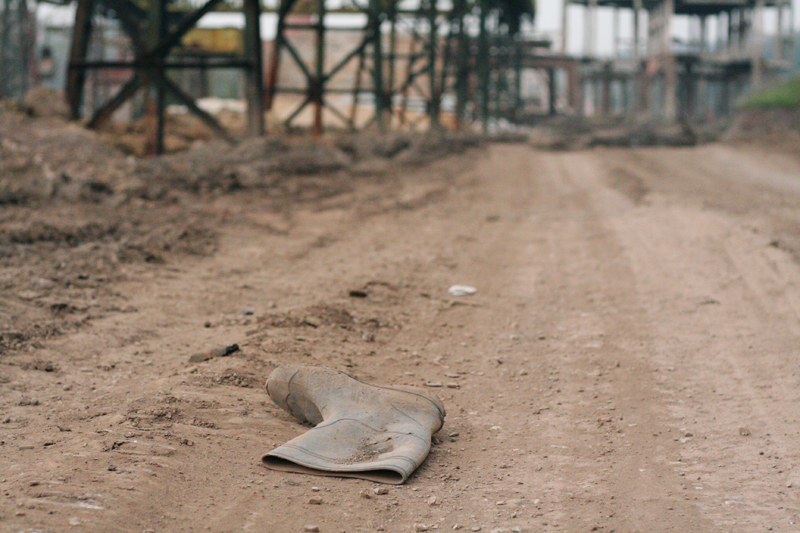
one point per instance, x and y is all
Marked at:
(726, 326)
(627, 481)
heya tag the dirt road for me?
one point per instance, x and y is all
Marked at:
(630, 362)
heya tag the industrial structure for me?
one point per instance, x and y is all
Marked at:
(686, 81)
(437, 63)
(469, 54)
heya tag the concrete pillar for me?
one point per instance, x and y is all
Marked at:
(564, 26)
(590, 22)
(703, 33)
(637, 11)
(757, 46)
(635, 104)
(779, 33)
(670, 66)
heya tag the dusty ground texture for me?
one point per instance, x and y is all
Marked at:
(629, 362)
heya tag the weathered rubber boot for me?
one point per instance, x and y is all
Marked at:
(378, 433)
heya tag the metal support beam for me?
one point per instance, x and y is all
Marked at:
(150, 65)
(76, 77)
(254, 72)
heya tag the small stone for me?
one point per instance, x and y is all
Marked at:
(311, 528)
(380, 491)
(501, 502)
(247, 312)
(456, 527)
(516, 529)
(421, 527)
(453, 386)
(112, 468)
(74, 521)
(476, 528)
(744, 432)
(312, 321)
(432, 500)
(315, 500)
(314, 489)
(365, 494)
(453, 435)
(433, 384)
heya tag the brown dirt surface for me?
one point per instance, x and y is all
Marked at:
(628, 363)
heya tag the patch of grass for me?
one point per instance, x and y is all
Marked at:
(785, 95)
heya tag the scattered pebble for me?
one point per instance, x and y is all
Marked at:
(365, 494)
(380, 490)
(453, 386)
(432, 500)
(112, 468)
(476, 528)
(312, 321)
(222, 351)
(744, 432)
(421, 527)
(434, 384)
(315, 500)
(501, 502)
(311, 528)
(314, 489)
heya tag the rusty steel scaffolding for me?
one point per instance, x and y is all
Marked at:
(154, 32)
(468, 53)
(463, 52)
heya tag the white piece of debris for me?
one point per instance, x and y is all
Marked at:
(462, 290)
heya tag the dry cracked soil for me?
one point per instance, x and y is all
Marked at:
(629, 362)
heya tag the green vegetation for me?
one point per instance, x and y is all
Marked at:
(784, 95)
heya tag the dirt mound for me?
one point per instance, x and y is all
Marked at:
(44, 102)
(574, 133)
(777, 128)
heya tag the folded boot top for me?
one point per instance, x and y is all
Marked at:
(365, 431)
